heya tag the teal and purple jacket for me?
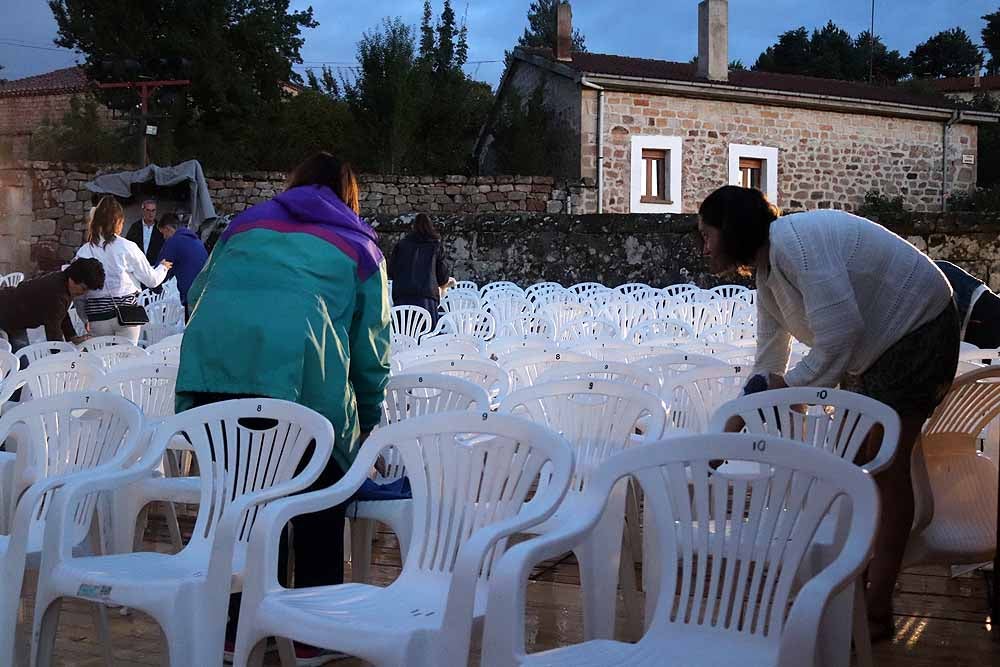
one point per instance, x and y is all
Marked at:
(293, 305)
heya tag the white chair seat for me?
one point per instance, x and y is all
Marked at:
(349, 615)
(723, 650)
(137, 571)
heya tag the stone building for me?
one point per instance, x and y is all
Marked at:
(968, 88)
(26, 104)
(658, 136)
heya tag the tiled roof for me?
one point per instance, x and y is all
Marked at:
(965, 84)
(67, 80)
(601, 63)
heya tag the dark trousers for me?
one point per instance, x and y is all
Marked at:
(983, 329)
(317, 539)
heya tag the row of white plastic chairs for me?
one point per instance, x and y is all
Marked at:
(418, 386)
(448, 564)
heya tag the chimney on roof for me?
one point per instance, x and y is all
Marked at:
(713, 40)
(564, 32)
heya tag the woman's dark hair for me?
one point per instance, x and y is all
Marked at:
(107, 221)
(87, 271)
(324, 169)
(743, 217)
(423, 225)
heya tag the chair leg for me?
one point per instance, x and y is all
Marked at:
(632, 520)
(100, 616)
(286, 652)
(599, 557)
(630, 590)
(44, 635)
(862, 635)
(173, 527)
(362, 533)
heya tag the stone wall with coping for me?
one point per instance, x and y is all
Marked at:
(53, 197)
(42, 207)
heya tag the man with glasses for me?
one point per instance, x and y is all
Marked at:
(144, 234)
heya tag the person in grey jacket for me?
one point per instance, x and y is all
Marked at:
(418, 269)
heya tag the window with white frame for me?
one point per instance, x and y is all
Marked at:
(754, 167)
(655, 174)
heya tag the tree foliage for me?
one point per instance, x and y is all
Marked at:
(949, 53)
(831, 53)
(81, 135)
(237, 60)
(530, 139)
(415, 109)
(991, 41)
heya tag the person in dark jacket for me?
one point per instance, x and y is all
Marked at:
(145, 234)
(182, 247)
(978, 307)
(45, 302)
(418, 269)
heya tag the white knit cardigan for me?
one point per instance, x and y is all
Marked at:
(846, 287)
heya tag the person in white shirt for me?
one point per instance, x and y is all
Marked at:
(878, 316)
(125, 269)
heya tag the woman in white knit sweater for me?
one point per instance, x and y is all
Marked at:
(879, 318)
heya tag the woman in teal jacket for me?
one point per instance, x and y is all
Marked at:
(293, 305)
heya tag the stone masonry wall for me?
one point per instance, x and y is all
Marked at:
(826, 159)
(41, 212)
(22, 115)
(56, 200)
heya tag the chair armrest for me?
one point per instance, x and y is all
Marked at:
(503, 635)
(261, 575)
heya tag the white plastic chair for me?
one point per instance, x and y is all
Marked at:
(505, 306)
(411, 321)
(740, 602)
(450, 343)
(529, 325)
(150, 385)
(695, 395)
(679, 291)
(503, 346)
(168, 349)
(60, 439)
(599, 419)
(470, 475)
(583, 290)
(729, 291)
(459, 299)
(563, 314)
(113, 356)
(477, 324)
(602, 370)
(954, 485)
(8, 365)
(525, 367)
(663, 329)
(838, 422)
(56, 375)
(587, 328)
(500, 286)
(483, 373)
(99, 342)
(187, 593)
(608, 350)
(36, 351)
(467, 285)
(406, 397)
(625, 314)
(5, 345)
(669, 365)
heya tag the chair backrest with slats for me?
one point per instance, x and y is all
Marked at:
(597, 417)
(244, 448)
